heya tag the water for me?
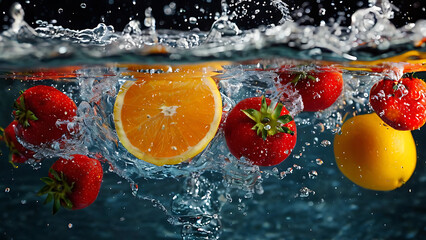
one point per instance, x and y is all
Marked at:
(214, 196)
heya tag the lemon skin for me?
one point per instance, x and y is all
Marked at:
(373, 155)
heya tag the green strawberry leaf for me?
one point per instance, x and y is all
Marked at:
(268, 121)
(277, 111)
(253, 114)
(284, 119)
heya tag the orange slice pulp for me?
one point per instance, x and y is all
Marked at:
(167, 118)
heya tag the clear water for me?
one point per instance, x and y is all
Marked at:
(214, 196)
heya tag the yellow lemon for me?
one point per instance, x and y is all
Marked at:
(374, 155)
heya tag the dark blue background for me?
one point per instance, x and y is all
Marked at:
(118, 12)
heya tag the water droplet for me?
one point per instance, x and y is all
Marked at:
(148, 12)
(149, 21)
(192, 20)
(170, 9)
(63, 50)
(325, 143)
(69, 225)
(322, 11)
(297, 167)
(17, 12)
(6, 190)
(228, 197)
(305, 192)
(319, 161)
(135, 188)
(313, 174)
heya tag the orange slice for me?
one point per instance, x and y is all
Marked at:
(167, 118)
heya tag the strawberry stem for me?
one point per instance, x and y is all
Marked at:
(22, 114)
(11, 146)
(396, 85)
(268, 119)
(57, 189)
(301, 76)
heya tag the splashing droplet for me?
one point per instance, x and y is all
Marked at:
(319, 161)
(192, 20)
(325, 143)
(17, 12)
(149, 21)
(313, 174)
(305, 192)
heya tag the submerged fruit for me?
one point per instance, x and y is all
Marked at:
(43, 114)
(73, 183)
(167, 118)
(17, 152)
(319, 87)
(262, 132)
(400, 103)
(373, 155)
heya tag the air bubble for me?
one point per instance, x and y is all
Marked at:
(83, 5)
(313, 174)
(305, 192)
(325, 143)
(62, 50)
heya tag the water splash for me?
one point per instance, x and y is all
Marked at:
(370, 28)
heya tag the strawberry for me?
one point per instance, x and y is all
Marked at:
(400, 103)
(319, 87)
(264, 134)
(17, 152)
(73, 183)
(43, 113)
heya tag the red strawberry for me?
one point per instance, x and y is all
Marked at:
(17, 152)
(265, 135)
(400, 103)
(43, 113)
(319, 87)
(73, 183)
